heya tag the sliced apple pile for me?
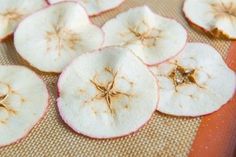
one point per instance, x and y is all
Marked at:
(52, 37)
(95, 7)
(197, 82)
(23, 102)
(151, 37)
(217, 17)
(103, 95)
(13, 11)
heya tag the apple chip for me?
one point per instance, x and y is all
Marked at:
(216, 17)
(13, 11)
(95, 7)
(151, 37)
(197, 82)
(106, 94)
(23, 102)
(52, 37)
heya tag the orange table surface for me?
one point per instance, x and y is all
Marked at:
(216, 136)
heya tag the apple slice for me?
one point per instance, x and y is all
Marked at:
(13, 11)
(95, 7)
(51, 38)
(217, 17)
(151, 37)
(197, 82)
(23, 102)
(103, 95)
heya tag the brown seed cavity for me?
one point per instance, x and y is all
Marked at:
(64, 39)
(107, 91)
(4, 103)
(148, 38)
(180, 76)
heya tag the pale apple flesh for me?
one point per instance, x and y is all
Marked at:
(103, 95)
(95, 7)
(13, 11)
(197, 82)
(51, 38)
(153, 38)
(217, 17)
(23, 102)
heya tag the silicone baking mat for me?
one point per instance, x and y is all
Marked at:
(163, 136)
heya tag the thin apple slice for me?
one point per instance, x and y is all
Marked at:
(151, 37)
(95, 7)
(197, 82)
(13, 11)
(23, 102)
(57, 1)
(51, 38)
(103, 95)
(217, 17)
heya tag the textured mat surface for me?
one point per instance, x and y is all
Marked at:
(163, 136)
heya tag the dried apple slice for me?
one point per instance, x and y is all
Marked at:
(197, 82)
(13, 11)
(95, 7)
(103, 95)
(23, 102)
(151, 37)
(51, 38)
(218, 17)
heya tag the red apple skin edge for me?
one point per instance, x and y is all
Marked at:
(206, 113)
(34, 126)
(97, 14)
(202, 29)
(187, 37)
(55, 72)
(208, 33)
(150, 65)
(183, 116)
(68, 125)
(190, 22)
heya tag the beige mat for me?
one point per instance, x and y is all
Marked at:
(163, 136)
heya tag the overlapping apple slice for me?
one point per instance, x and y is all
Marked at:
(95, 7)
(151, 37)
(103, 95)
(217, 17)
(197, 82)
(13, 11)
(23, 102)
(52, 37)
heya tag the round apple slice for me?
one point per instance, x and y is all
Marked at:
(23, 102)
(13, 11)
(103, 95)
(151, 37)
(197, 82)
(95, 7)
(51, 38)
(218, 17)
